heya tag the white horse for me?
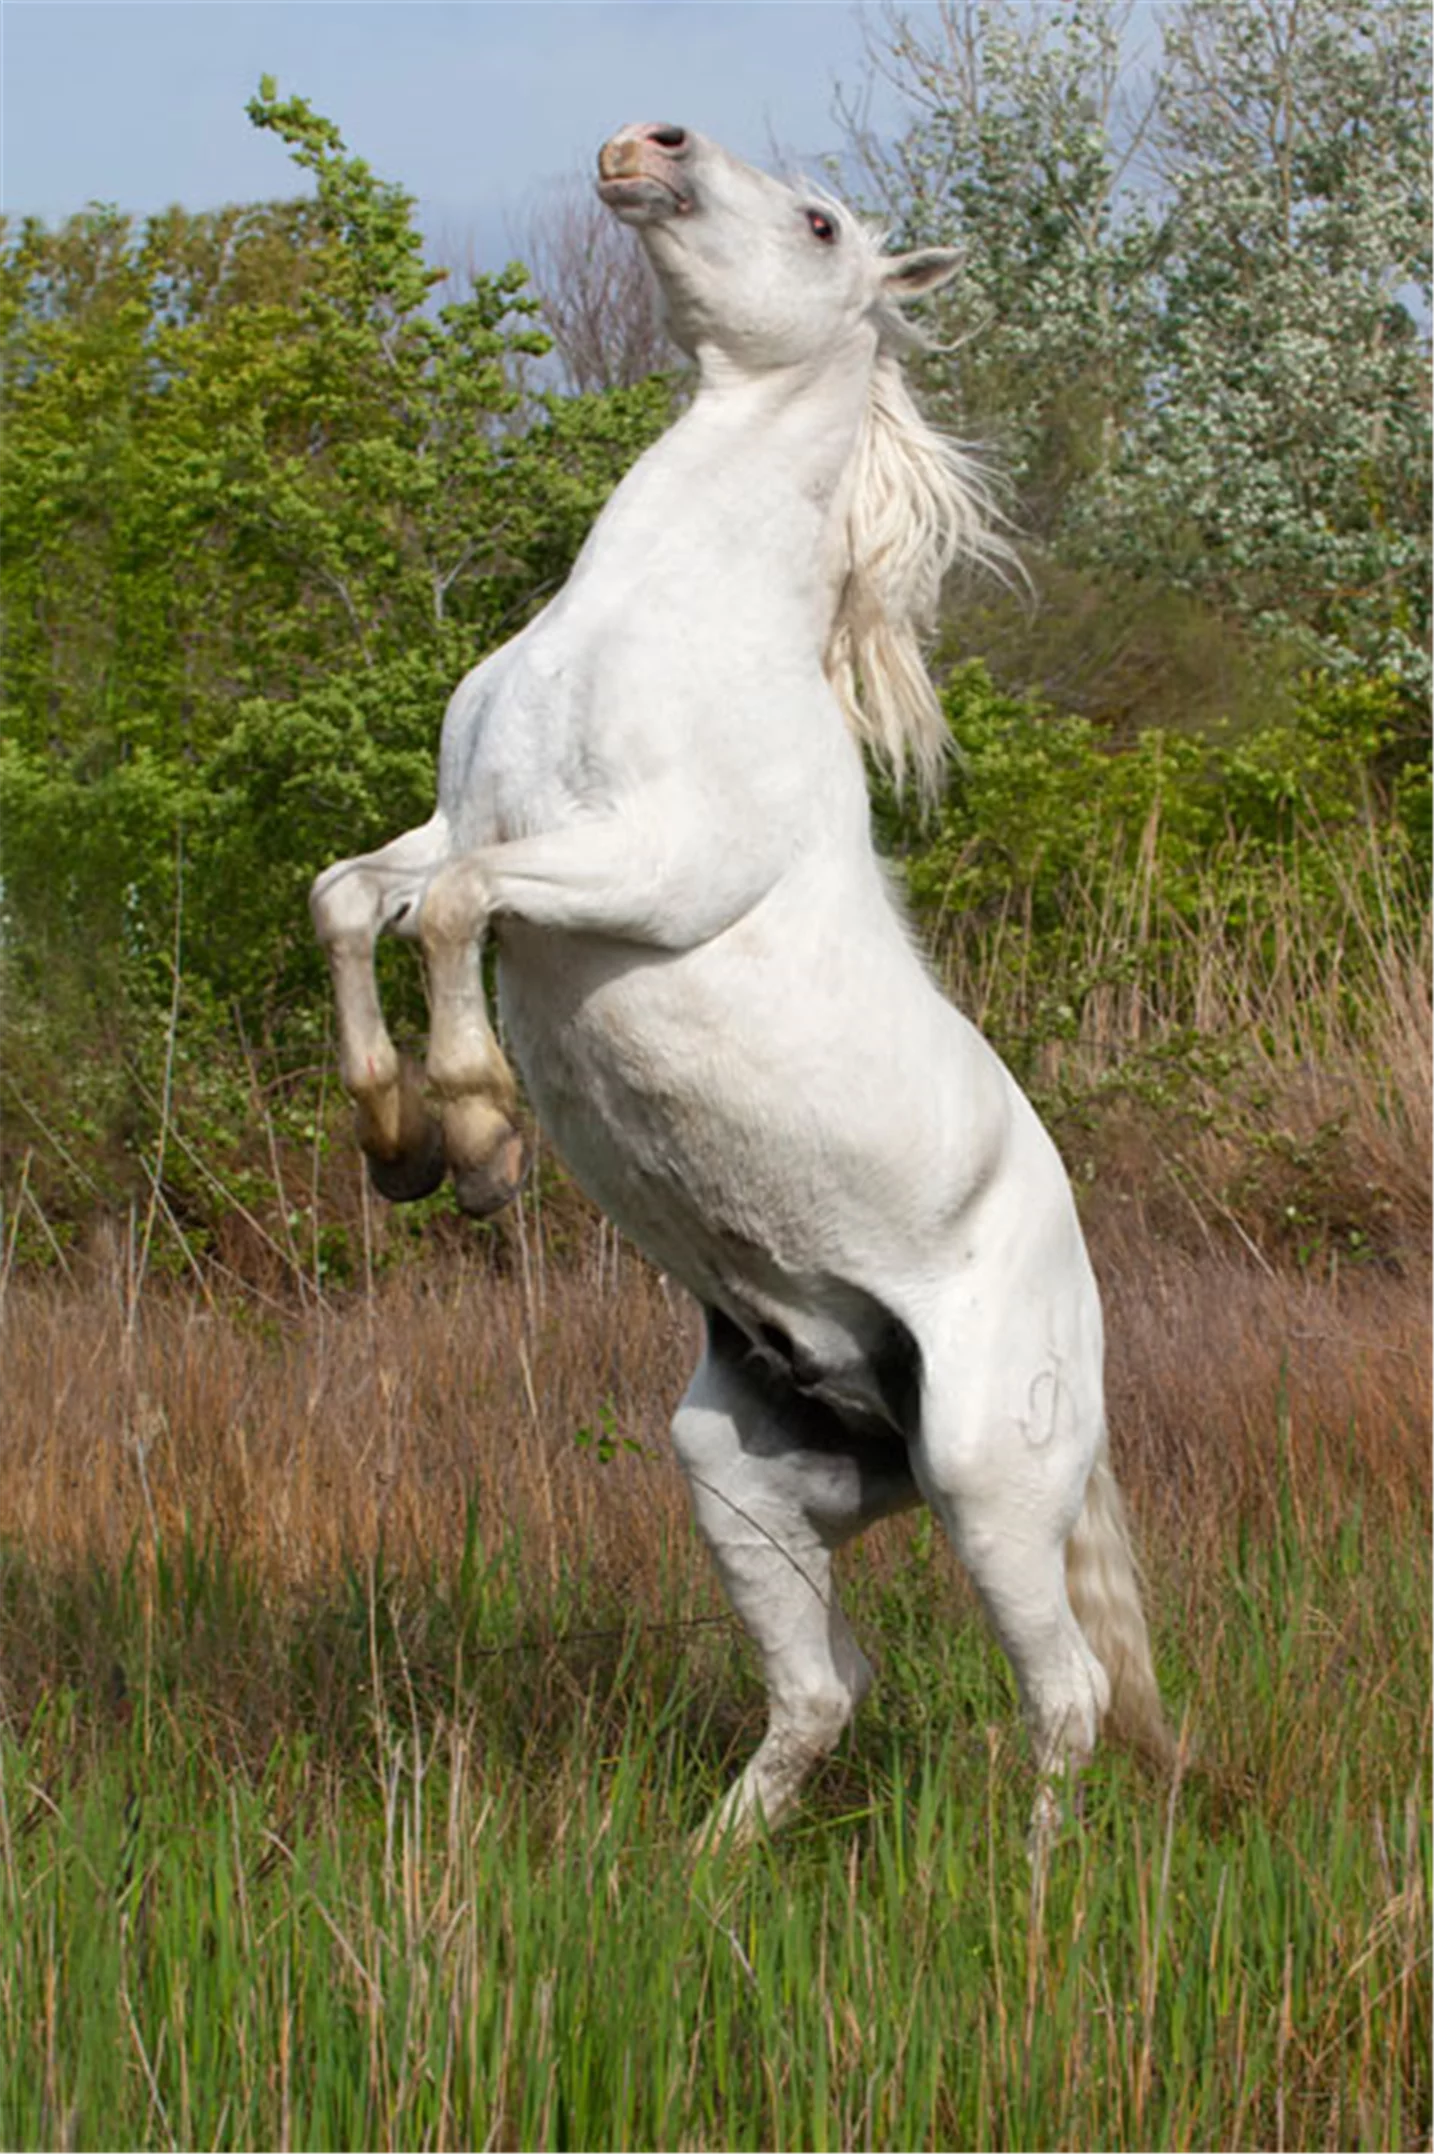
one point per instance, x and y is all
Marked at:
(654, 798)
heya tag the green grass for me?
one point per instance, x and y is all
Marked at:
(447, 1899)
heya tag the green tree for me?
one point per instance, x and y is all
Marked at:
(268, 490)
(256, 476)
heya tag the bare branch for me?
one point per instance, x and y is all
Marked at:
(598, 297)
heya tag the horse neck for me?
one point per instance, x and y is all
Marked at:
(750, 481)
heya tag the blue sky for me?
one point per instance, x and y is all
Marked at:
(471, 107)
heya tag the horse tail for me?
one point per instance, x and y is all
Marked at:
(1104, 1589)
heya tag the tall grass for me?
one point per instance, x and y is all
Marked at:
(1245, 1052)
(427, 1964)
(363, 1682)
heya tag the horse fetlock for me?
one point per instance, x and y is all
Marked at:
(486, 1154)
(1064, 1731)
(371, 1075)
(467, 1064)
(387, 1094)
(474, 1128)
(807, 1731)
(401, 1138)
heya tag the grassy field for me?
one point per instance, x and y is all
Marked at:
(363, 1681)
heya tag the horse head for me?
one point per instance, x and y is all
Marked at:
(769, 275)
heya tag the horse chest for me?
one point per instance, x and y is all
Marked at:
(654, 1102)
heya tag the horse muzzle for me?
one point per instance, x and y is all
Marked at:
(642, 172)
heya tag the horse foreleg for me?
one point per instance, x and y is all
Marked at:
(350, 903)
(610, 877)
(466, 1067)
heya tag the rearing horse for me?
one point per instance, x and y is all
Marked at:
(654, 799)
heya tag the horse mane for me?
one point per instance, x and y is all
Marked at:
(919, 503)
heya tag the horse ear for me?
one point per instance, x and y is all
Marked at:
(909, 276)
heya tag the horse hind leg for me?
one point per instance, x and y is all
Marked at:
(1006, 1448)
(466, 1067)
(777, 1483)
(351, 903)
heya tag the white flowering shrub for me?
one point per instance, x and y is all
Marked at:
(1193, 315)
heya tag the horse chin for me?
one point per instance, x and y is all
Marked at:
(643, 199)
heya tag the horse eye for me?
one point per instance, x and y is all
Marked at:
(822, 226)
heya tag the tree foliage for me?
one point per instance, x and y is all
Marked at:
(265, 500)
(1194, 302)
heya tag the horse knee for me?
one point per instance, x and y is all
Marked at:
(342, 905)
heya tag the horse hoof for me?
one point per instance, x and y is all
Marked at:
(493, 1182)
(412, 1174)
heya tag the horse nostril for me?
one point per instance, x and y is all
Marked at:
(669, 138)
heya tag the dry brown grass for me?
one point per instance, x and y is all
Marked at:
(1254, 1076)
(1227, 1380)
(300, 1440)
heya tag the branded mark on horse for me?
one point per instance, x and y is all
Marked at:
(654, 800)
